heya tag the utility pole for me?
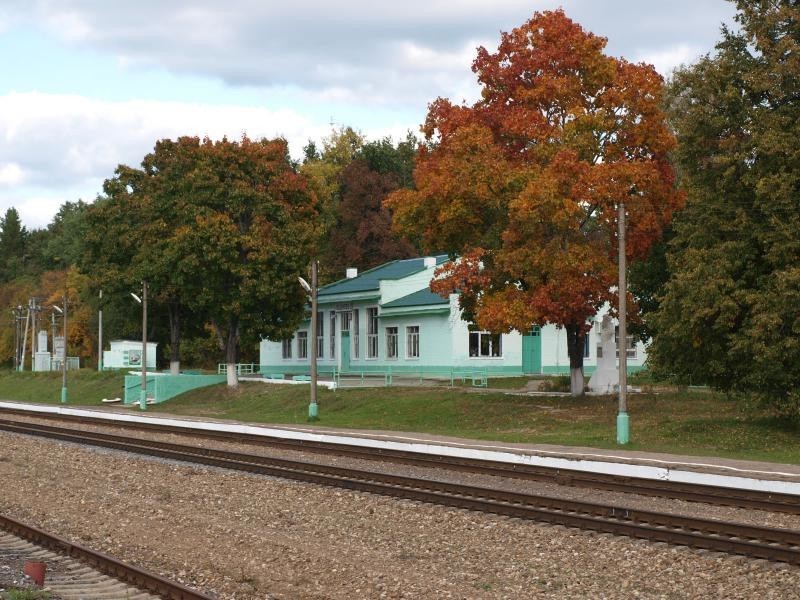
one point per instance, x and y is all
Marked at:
(53, 335)
(64, 359)
(143, 393)
(312, 408)
(100, 335)
(32, 306)
(16, 338)
(24, 341)
(623, 422)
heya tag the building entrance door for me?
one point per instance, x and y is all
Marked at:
(532, 351)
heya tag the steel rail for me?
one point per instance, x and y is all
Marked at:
(102, 562)
(735, 538)
(690, 492)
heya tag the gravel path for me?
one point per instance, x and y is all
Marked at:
(243, 536)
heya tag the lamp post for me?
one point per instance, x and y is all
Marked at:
(312, 291)
(143, 302)
(623, 421)
(63, 358)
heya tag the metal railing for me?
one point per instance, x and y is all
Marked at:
(241, 368)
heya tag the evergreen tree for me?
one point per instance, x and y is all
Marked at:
(13, 237)
(728, 315)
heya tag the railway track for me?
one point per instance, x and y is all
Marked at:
(716, 495)
(772, 544)
(76, 572)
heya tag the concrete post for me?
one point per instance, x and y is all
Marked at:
(623, 422)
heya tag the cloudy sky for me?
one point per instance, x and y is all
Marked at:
(89, 84)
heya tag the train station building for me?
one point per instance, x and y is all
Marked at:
(386, 319)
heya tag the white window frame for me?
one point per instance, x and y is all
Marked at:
(302, 344)
(372, 338)
(389, 337)
(320, 343)
(480, 335)
(630, 350)
(346, 320)
(286, 348)
(409, 345)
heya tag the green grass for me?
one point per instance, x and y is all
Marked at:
(25, 594)
(694, 422)
(84, 387)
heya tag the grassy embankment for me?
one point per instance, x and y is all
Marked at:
(696, 422)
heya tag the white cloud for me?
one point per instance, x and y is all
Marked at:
(375, 53)
(364, 59)
(10, 174)
(60, 137)
(666, 60)
(427, 58)
(36, 212)
(62, 147)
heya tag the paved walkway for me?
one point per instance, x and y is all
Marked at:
(581, 457)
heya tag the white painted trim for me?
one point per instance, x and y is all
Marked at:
(419, 340)
(751, 479)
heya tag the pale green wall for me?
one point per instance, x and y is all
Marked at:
(444, 339)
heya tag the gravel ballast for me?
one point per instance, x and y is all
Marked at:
(243, 536)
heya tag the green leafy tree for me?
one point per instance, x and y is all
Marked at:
(384, 157)
(646, 281)
(254, 224)
(64, 237)
(728, 316)
(115, 234)
(129, 232)
(323, 170)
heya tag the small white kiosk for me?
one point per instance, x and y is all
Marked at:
(127, 354)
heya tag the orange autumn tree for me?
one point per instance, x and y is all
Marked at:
(524, 184)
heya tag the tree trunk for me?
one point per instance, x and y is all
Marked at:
(575, 342)
(174, 338)
(232, 354)
(229, 344)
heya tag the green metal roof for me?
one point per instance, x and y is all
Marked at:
(424, 297)
(370, 280)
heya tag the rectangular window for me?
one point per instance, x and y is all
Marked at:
(630, 350)
(302, 344)
(320, 335)
(391, 342)
(372, 333)
(346, 316)
(483, 344)
(287, 348)
(333, 335)
(412, 341)
(586, 345)
(354, 331)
